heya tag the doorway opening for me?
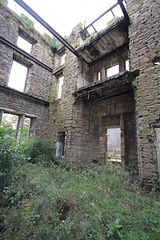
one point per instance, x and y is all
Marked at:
(60, 144)
(114, 144)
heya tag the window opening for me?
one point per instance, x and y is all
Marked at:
(62, 60)
(127, 65)
(62, 57)
(32, 126)
(112, 71)
(114, 144)
(18, 76)
(23, 44)
(60, 144)
(26, 127)
(9, 121)
(158, 148)
(99, 76)
(60, 83)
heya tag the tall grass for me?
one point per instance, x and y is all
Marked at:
(95, 203)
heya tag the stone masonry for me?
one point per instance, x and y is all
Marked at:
(74, 101)
(144, 47)
(33, 102)
(85, 125)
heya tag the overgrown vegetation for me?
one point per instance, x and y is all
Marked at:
(10, 156)
(53, 43)
(29, 24)
(13, 154)
(61, 202)
(53, 94)
(4, 2)
(41, 151)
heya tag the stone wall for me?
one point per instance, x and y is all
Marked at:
(30, 107)
(85, 138)
(109, 113)
(118, 57)
(136, 112)
(39, 77)
(144, 46)
(61, 117)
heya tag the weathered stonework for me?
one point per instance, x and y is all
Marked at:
(92, 102)
(38, 79)
(85, 125)
(144, 46)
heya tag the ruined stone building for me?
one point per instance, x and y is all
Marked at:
(97, 103)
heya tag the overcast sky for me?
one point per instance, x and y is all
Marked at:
(63, 15)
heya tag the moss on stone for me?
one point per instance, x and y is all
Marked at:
(27, 22)
(53, 92)
(144, 132)
(4, 2)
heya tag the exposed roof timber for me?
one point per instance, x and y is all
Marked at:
(46, 25)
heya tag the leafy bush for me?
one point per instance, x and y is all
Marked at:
(39, 151)
(10, 156)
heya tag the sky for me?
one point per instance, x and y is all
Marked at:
(63, 15)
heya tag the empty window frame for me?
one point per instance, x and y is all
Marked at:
(62, 57)
(26, 127)
(18, 76)
(60, 144)
(127, 65)
(9, 121)
(112, 71)
(23, 44)
(99, 76)
(158, 148)
(114, 144)
(60, 84)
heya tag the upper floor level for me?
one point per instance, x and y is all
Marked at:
(26, 56)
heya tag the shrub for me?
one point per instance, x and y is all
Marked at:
(39, 151)
(10, 156)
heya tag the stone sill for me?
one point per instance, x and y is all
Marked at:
(59, 70)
